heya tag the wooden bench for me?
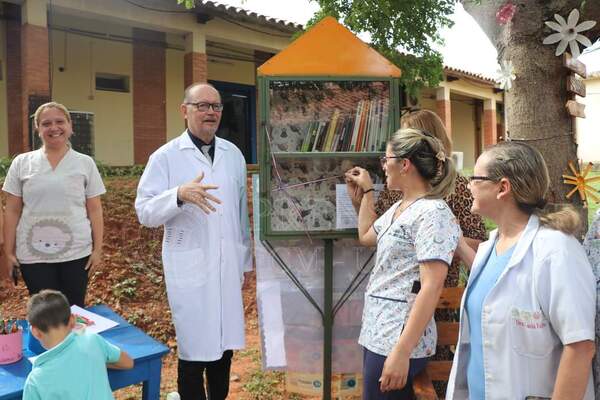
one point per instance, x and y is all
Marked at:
(439, 370)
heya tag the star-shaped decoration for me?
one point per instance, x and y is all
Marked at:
(568, 33)
(506, 74)
(581, 183)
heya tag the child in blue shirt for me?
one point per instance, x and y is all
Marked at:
(74, 365)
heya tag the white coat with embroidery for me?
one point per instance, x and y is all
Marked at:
(204, 256)
(543, 300)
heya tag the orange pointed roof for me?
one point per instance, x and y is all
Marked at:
(329, 49)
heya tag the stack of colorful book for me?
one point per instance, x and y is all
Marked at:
(365, 130)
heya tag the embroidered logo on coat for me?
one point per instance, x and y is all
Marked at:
(528, 319)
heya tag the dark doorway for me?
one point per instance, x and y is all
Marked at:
(238, 124)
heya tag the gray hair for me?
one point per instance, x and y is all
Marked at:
(427, 154)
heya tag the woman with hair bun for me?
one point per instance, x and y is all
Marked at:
(415, 240)
(527, 315)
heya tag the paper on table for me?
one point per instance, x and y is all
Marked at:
(99, 323)
(345, 215)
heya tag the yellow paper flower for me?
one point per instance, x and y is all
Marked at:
(581, 183)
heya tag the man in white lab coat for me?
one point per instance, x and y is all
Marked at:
(195, 185)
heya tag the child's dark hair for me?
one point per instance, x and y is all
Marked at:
(48, 309)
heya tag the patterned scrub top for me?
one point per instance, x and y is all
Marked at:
(460, 202)
(591, 245)
(426, 231)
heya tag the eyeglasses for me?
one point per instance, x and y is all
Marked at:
(383, 159)
(481, 178)
(203, 107)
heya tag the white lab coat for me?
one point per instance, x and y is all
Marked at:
(544, 299)
(204, 256)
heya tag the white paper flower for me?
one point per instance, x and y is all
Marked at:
(569, 33)
(506, 74)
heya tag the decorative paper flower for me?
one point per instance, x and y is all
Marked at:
(506, 74)
(569, 33)
(506, 13)
(581, 183)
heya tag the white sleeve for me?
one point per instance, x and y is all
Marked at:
(245, 221)
(156, 203)
(566, 289)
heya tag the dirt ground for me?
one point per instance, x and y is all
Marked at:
(130, 281)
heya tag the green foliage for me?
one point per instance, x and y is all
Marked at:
(4, 165)
(188, 3)
(409, 25)
(263, 385)
(112, 171)
(125, 288)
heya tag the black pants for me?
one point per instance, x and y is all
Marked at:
(372, 369)
(190, 378)
(69, 277)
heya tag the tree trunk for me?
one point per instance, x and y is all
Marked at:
(535, 106)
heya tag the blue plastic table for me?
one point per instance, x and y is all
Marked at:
(145, 351)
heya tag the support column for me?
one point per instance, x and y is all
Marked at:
(149, 93)
(14, 84)
(490, 136)
(28, 68)
(443, 108)
(194, 60)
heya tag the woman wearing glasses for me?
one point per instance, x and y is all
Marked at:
(527, 316)
(459, 201)
(415, 240)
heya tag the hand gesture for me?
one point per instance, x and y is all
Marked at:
(355, 193)
(360, 177)
(197, 193)
(395, 371)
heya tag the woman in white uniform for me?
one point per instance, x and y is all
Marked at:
(53, 223)
(527, 316)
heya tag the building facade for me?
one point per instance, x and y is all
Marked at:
(122, 66)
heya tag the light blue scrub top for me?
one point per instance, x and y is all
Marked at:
(476, 295)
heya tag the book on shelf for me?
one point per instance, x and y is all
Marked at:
(363, 130)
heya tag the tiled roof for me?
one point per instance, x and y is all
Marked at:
(471, 75)
(243, 15)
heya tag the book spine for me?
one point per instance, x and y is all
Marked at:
(313, 134)
(304, 147)
(356, 126)
(385, 127)
(317, 135)
(332, 129)
(322, 135)
(361, 129)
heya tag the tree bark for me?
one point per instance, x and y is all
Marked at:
(535, 106)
